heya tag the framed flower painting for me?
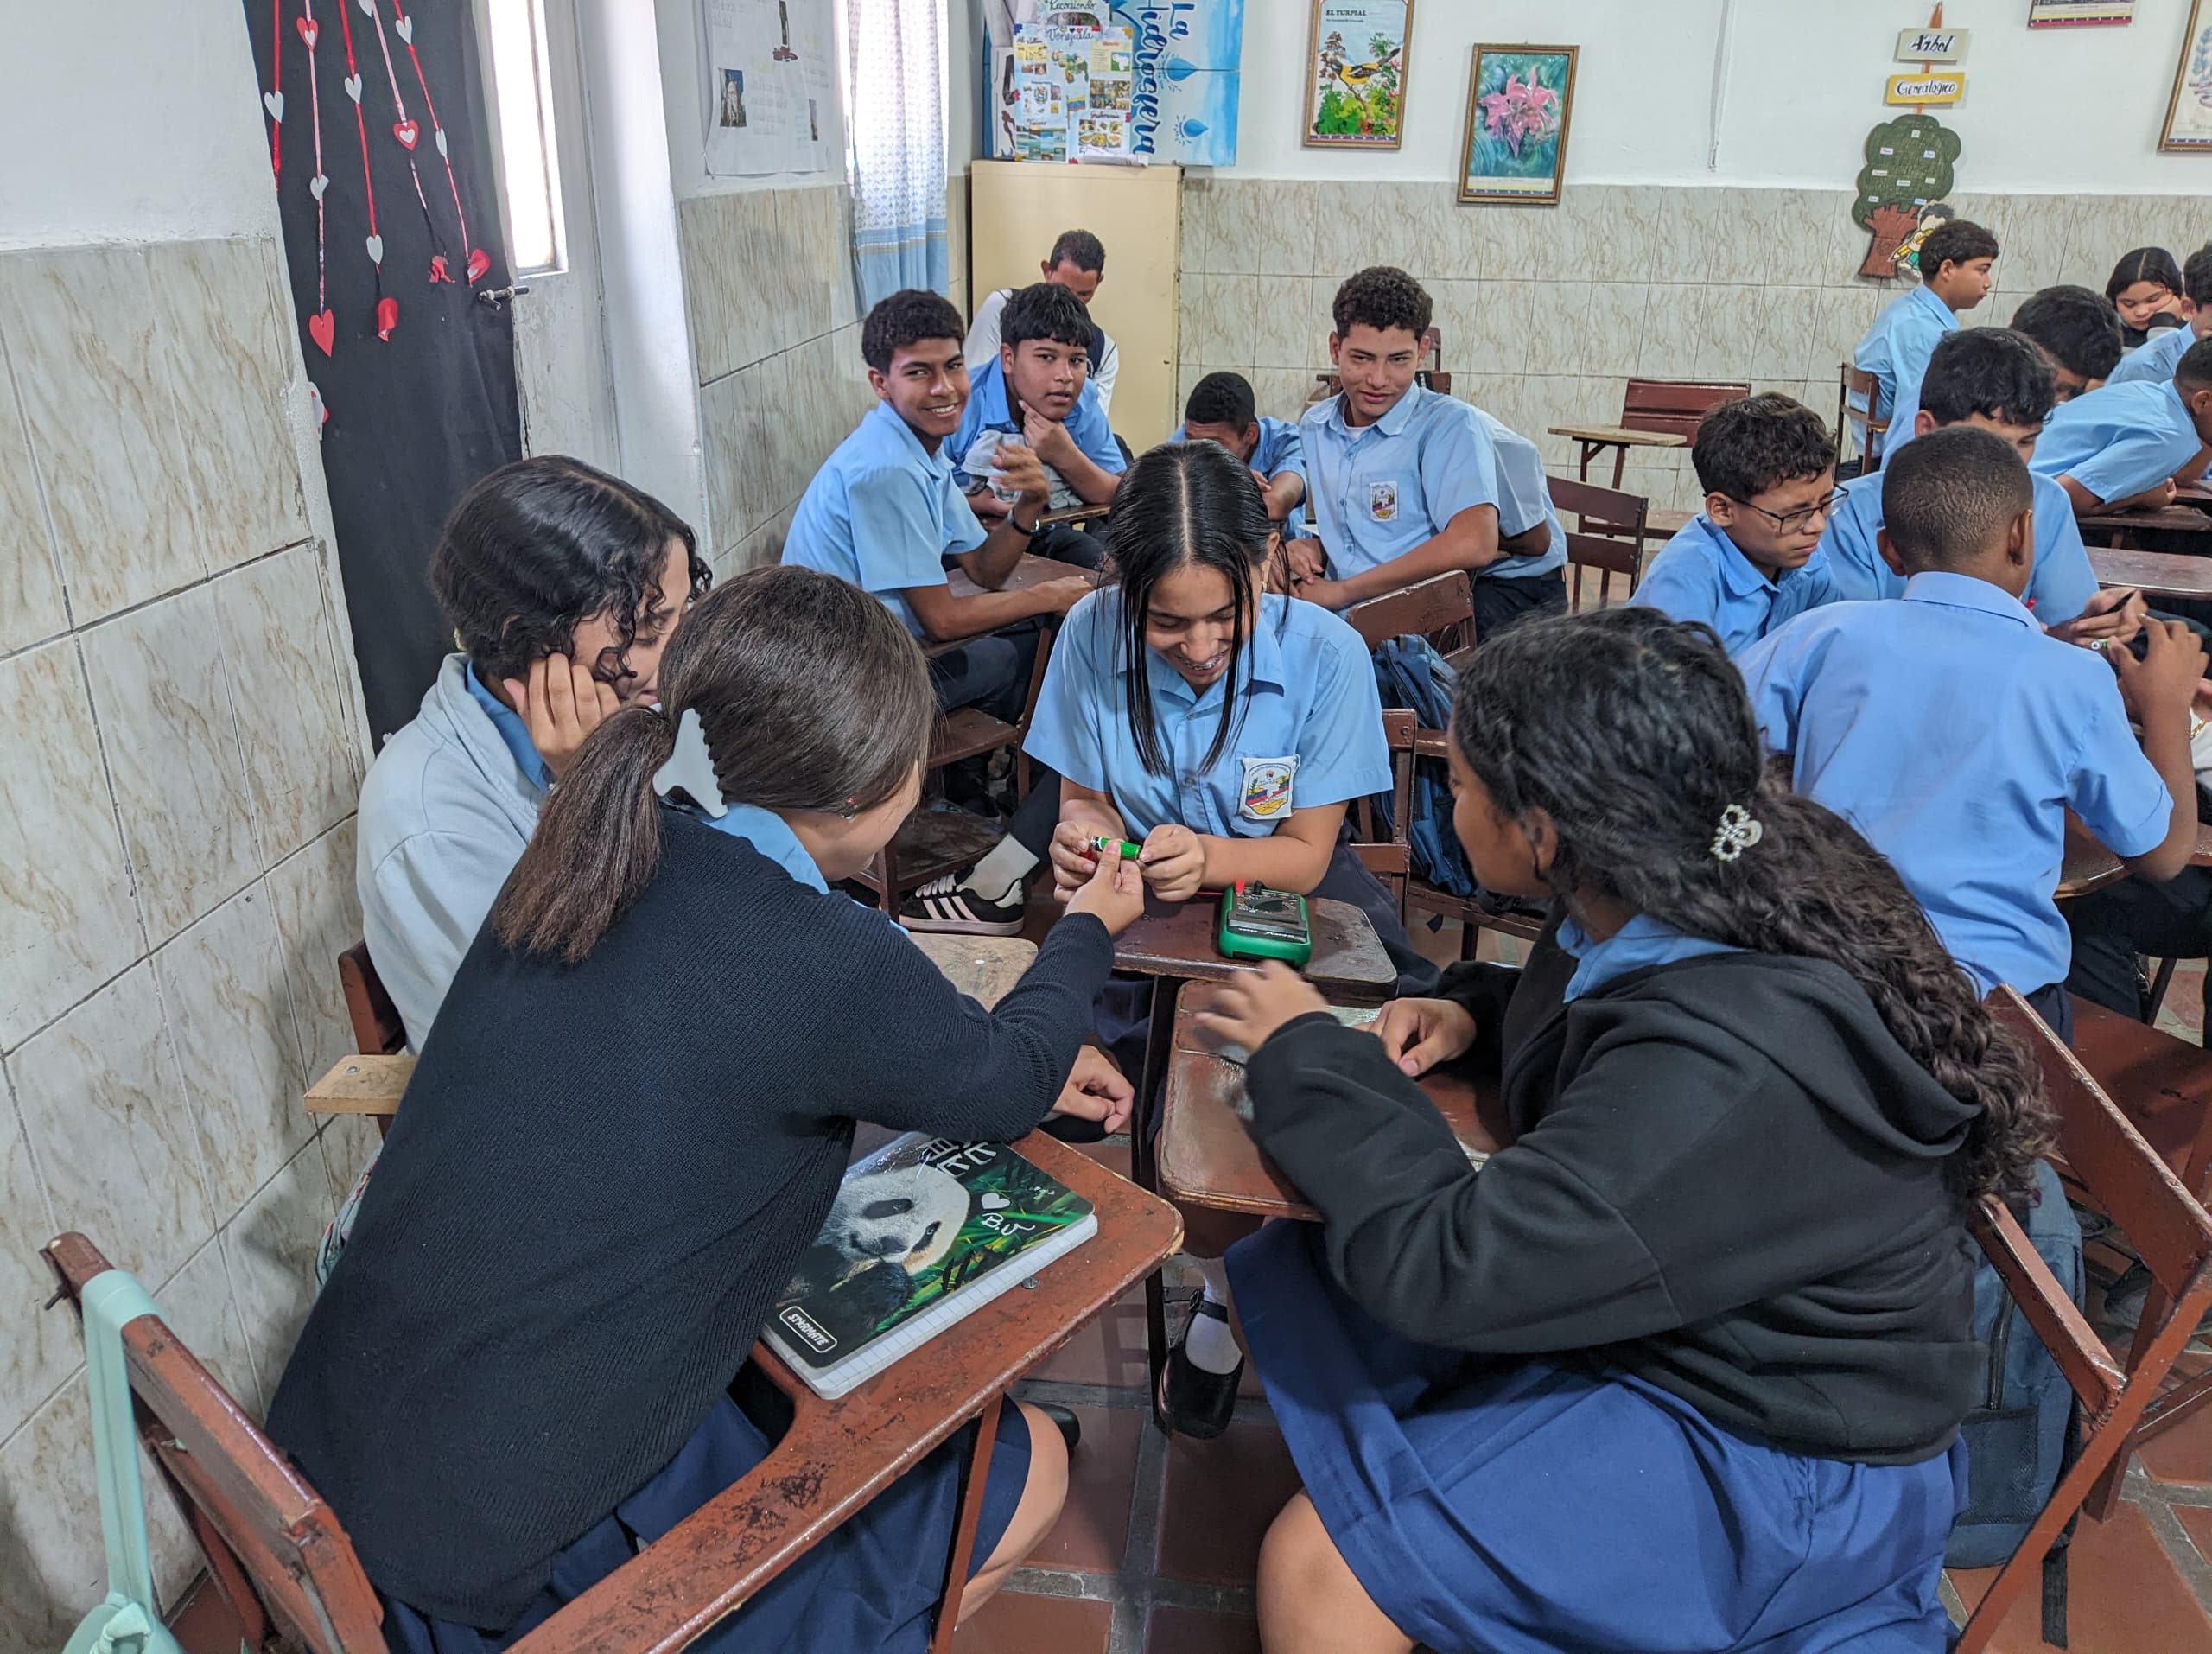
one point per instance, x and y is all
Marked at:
(1518, 101)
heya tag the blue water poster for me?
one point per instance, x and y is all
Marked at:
(1185, 95)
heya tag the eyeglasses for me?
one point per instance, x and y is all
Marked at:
(1791, 522)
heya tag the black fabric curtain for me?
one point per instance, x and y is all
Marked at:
(415, 375)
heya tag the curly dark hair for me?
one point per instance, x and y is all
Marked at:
(2076, 327)
(540, 546)
(1221, 400)
(1993, 371)
(1751, 444)
(1382, 297)
(1633, 734)
(1080, 248)
(905, 320)
(1045, 310)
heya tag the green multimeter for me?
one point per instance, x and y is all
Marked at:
(1256, 923)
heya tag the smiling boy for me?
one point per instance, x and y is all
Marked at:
(1748, 561)
(1956, 262)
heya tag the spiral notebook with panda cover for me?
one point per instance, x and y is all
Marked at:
(924, 1232)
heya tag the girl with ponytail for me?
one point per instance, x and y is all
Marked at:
(1683, 1366)
(630, 1120)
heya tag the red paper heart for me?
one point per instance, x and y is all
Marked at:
(308, 30)
(322, 327)
(438, 269)
(478, 262)
(387, 317)
(406, 132)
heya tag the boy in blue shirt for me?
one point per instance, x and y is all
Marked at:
(1954, 266)
(1750, 559)
(1405, 482)
(1223, 409)
(1995, 380)
(2124, 446)
(2157, 357)
(2078, 332)
(1038, 395)
(1955, 735)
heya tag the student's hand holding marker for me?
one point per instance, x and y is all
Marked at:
(1096, 1090)
(2164, 683)
(1249, 1008)
(2111, 617)
(1174, 861)
(559, 703)
(1418, 1033)
(1072, 857)
(1113, 894)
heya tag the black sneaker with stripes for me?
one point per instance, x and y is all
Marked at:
(942, 905)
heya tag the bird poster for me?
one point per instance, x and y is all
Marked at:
(1355, 82)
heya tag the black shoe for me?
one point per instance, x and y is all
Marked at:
(942, 905)
(1069, 1426)
(1191, 1401)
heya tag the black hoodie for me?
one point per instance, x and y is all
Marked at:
(1727, 1180)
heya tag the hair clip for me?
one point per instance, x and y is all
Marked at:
(1739, 830)
(691, 767)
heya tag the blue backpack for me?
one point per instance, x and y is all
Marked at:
(1411, 674)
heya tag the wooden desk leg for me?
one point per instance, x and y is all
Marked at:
(1620, 464)
(974, 1473)
(1144, 1170)
(1589, 452)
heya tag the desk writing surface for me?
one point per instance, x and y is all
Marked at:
(2089, 866)
(2155, 574)
(1029, 570)
(1176, 940)
(1603, 435)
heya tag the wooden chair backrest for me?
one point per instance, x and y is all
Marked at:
(1391, 859)
(276, 1549)
(1442, 600)
(377, 1031)
(1607, 538)
(1857, 382)
(1676, 407)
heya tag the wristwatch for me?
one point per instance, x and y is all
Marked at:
(1034, 529)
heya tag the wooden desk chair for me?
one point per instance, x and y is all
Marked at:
(377, 1028)
(1857, 382)
(1654, 413)
(1442, 605)
(1607, 539)
(2105, 1161)
(1474, 915)
(1389, 856)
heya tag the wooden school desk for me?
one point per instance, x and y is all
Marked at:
(1596, 439)
(2155, 574)
(1029, 570)
(1208, 1156)
(2090, 867)
(2119, 528)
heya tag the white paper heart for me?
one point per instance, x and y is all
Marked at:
(354, 87)
(375, 245)
(442, 140)
(995, 1202)
(369, 6)
(317, 184)
(274, 103)
(404, 27)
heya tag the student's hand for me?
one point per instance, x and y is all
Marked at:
(1113, 894)
(1308, 560)
(2159, 498)
(1048, 437)
(1174, 861)
(2113, 617)
(559, 704)
(1418, 1033)
(1249, 1007)
(2166, 679)
(1073, 860)
(1016, 469)
(1067, 591)
(1329, 594)
(988, 506)
(1096, 1090)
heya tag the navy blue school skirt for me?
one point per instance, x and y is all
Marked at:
(872, 1584)
(1515, 1506)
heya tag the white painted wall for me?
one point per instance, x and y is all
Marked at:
(2047, 112)
(682, 89)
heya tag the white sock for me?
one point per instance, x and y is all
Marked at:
(994, 877)
(1210, 1344)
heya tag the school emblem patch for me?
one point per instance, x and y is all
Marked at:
(1265, 792)
(1383, 501)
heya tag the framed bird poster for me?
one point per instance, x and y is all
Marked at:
(1356, 74)
(2189, 112)
(1518, 101)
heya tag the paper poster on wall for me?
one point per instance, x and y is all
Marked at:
(2076, 14)
(1183, 83)
(1355, 74)
(768, 93)
(1065, 94)
(2189, 112)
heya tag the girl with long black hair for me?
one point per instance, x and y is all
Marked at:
(1683, 1367)
(2146, 287)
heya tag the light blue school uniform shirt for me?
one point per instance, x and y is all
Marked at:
(987, 409)
(1954, 735)
(514, 733)
(771, 835)
(1278, 450)
(1896, 348)
(883, 513)
(2059, 588)
(1700, 576)
(1376, 492)
(1642, 941)
(2156, 358)
(1309, 733)
(2118, 439)
(1524, 499)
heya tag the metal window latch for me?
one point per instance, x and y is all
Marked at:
(496, 296)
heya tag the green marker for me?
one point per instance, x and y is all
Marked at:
(1101, 845)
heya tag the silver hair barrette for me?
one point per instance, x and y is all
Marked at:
(1739, 830)
(691, 767)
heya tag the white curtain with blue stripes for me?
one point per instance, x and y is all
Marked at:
(895, 86)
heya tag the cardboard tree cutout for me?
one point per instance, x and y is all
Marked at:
(1909, 164)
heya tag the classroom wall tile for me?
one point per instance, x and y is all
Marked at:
(1500, 326)
(349, 1143)
(270, 1247)
(1282, 212)
(31, 604)
(52, 1563)
(38, 1349)
(1559, 326)
(104, 1107)
(1197, 227)
(1238, 232)
(201, 1309)
(1284, 392)
(68, 921)
(1674, 333)
(318, 913)
(160, 694)
(1289, 326)
(701, 251)
(721, 442)
(1613, 328)
(1223, 329)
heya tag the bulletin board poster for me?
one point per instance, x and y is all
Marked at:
(770, 102)
(1188, 79)
(1183, 83)
(1355, 75)
(1069, 94)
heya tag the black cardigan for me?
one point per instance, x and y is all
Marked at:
(1728, 1182)
(601, 1176)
